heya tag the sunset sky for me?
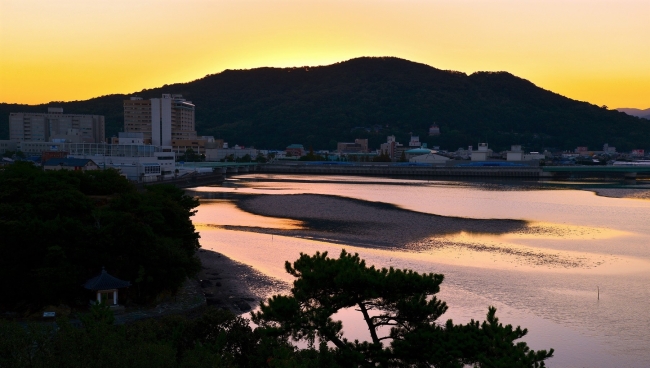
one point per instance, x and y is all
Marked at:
(589, 50)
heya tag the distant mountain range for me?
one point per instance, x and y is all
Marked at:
(375, 97)
(645, 114)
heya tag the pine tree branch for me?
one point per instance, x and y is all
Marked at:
(371, 327)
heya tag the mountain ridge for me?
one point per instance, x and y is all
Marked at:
(375, 97)
(639, 113)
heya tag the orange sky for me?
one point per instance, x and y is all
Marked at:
(595, 51)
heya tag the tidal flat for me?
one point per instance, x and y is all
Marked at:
(361, 223)
(538, 255)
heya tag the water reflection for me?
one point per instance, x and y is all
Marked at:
(479, 242)
(539, 261)
(225, 212)
(500, 252)
(566, 321)
(532, 201)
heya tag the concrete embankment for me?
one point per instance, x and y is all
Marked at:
(190, 181)
(393, 170)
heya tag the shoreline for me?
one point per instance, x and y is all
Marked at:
(232, 285)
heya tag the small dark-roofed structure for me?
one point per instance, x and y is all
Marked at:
(70, 164)
(105, 285)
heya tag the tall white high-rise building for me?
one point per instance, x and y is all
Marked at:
(160, 120)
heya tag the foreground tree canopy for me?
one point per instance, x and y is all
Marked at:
(216, 339)
(400, 302)
(397, 299)
(59, 228)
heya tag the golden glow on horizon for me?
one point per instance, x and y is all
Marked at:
(595, 51)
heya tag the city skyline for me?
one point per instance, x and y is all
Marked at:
(76, 50)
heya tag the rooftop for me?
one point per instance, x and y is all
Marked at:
(418, 151)
(104, 281)
(69, 162)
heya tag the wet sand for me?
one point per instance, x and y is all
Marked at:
(624, 193)
(346, 220)
(232, 285)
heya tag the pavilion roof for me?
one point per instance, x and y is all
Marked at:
(104, 281)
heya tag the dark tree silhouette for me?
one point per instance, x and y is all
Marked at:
(401, 300)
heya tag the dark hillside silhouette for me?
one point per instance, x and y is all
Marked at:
(375, 97)
(645, 114)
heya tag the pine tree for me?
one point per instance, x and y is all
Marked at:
(400, 299)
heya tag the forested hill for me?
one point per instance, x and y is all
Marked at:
(636, 112)
(375, 97)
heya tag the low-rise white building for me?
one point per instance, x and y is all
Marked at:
(516, 153)
(482, 153)
(136, 162)
(415, 141)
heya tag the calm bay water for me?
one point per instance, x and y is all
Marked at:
(544, 278)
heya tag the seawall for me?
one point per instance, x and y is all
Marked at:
(393, 170)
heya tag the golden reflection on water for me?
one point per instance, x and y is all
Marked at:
(523, 250)
(226, 213)
(544, 275)
(504, 252)
(460, 199)
(550, 296)
(548, 230)
(511, 250)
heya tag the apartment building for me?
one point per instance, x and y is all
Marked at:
(390, 147)
(160, 120)
(56, 126)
